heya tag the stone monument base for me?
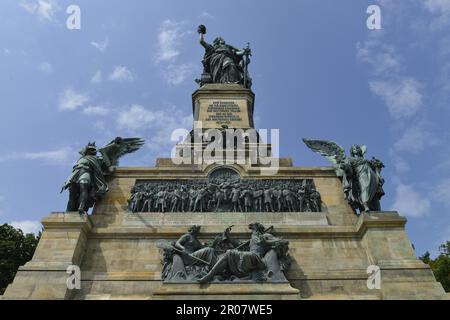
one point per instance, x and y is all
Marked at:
(119, 258)
(228, 291)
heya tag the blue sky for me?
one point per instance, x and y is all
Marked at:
(318, 72)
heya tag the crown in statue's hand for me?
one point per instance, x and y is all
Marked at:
(201, 29)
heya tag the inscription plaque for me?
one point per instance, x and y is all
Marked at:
(214, 113)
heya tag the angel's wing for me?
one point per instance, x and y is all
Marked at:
(329, 149)
(119, 147)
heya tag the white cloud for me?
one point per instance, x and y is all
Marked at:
(401, 94)
(55, 156)
(443, 166)
(97, 77)
(43, 9)
(96, 111)
(399, 163)
(171, 120)
(381, 57)
(403, 97)
(71, 100)
(158, 125)
(101, 45)
(46, 67)
(416, 138)
(442, 192)
(58, 155)
(206, 15)
(443, 51)
(176, 74)
(6, 51)
(169, 39)
(136, 117)
(437, 6)
(121, 74)
(27, 226)
(409, 202)
(441, 10)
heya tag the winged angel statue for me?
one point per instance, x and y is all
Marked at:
(87, 183)
(361, 178)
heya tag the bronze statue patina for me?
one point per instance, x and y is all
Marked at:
(262, 258)
(223, 63)
(361, 178)
(266, 259)
(87, 183)
(225, 194)
(225, 191)
(187, 258)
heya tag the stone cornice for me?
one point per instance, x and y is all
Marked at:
(197, 171)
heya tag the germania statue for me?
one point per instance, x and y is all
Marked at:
(223, 63)
(87, 182)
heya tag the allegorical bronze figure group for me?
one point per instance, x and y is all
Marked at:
(87, 182)
(225, 195)
(223, 63)
(361, 178)
(263, 257)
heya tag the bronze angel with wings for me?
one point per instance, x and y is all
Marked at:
(87, 183)
(361, 178)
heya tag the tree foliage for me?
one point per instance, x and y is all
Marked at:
(15, 250)
(440, 265)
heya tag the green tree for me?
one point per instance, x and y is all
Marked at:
(440, 265)
(15, 250)
(426, 257)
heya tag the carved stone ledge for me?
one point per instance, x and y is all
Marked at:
(228, 290)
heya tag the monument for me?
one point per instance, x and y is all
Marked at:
(252, 226)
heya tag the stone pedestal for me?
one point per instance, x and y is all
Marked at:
(119, 259)
(227, 108)
(63, 243)
(217, 105)
(228, 291)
